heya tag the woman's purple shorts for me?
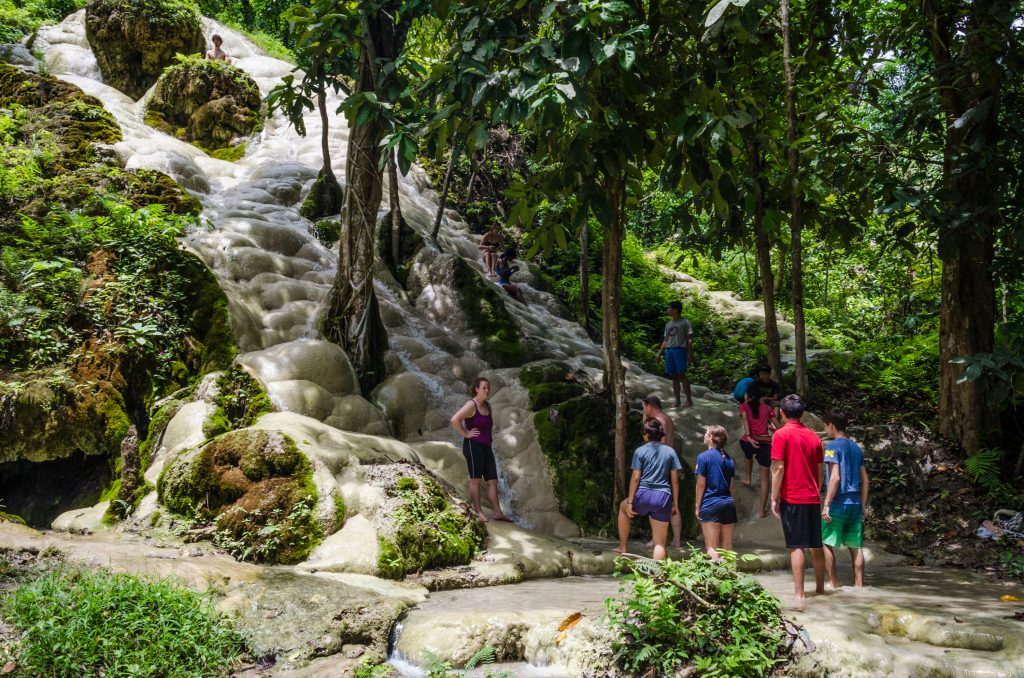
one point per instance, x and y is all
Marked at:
(657, 505)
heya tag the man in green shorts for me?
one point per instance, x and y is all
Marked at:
(842, 513)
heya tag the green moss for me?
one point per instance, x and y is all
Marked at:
(429, 530)
(115, 420)
(11, 518)
(231, 153)
(327, 231)
(544, 372)
(324, 199)
(339, 511)
(545, 395)
(211, 320)
(240, 401)
(483, 305)
(157, 425)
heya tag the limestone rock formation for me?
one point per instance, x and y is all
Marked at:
(134, 40)
(211, 104)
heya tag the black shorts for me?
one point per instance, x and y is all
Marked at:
(479, 460)
(763, 452)
(724, 514)
(801, 524)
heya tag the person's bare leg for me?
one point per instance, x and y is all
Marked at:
(725, 541)
(818, 562)
(750, 472)
(675, 387)
(677, 530)
(686, 389)
(796, 565)
(492, 494)
(474, 496)
(623, 521)
(712, 534)
(766, 484)
(858, 566)
(659, 531)
(830, 567)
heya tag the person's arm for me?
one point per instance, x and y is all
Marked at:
(778, 471)
(833, 490)
(702, 484)
(465, 412)
(745, 420)
(674, 477)
(670, 432)
(664, 343)
(865, 485)
(634, 482)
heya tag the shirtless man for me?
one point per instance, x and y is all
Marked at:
(652, 410)
(217, 54)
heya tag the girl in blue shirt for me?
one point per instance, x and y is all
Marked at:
(715, 507)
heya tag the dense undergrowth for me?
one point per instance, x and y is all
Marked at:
(73, 622)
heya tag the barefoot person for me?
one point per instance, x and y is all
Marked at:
(474, 423)
(652, 410)
(756, 442)
(505, 269)
(842, 512)
(217, 54)
(715, 507)
(677, 346)
(489, 246)
(797, 460)
(653, 489)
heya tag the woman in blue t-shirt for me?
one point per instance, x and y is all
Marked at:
(715, 507)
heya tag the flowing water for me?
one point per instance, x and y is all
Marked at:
(908, 622)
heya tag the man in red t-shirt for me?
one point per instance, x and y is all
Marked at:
(798, 459)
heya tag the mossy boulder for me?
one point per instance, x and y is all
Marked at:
(135, 40)
(549, 382)
(544, 372)
(255, 488)
(240, 401)
(424, 524)
(87, 188)
(324, 199)
(211, 104)
(498, 339)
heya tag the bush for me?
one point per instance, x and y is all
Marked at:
(696, 614)
(78, 622)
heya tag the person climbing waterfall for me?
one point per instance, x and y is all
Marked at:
(739, 392)
(653, 489)
(758, 422)
(217, 54)
(770, 389)
(505, 269)
(489, 246)
(474, 422)
(715, 508)
(797, 461)
(677, 347)
(651, 406)
(842, 512)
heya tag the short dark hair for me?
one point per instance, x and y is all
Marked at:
(677, 305)
(764, 368)
(653, 430)
(792, 406)
(837, 419)
(652, 400)
(216, 38)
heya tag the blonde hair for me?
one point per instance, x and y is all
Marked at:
(719, 436)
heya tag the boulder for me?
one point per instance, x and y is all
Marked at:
(210, 104)
(135, 40)
(17, 54)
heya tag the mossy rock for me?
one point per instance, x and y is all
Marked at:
(545, 395)
(324, 199)
(135, 40)
(231, 153)
(544, 372)
(211, 322)
(426, 525)
(239, 402)
(327, 231)
(45, 421)
(483, 306)
(87, 189)
(211, 104)
(255, 487)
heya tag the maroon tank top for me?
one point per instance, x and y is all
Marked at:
(482, 422)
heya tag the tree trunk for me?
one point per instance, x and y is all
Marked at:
(584, 310)
(611, 295)
(353, 316)
(456, 150)
(396, 212)
(966, 246)
(764, 263)
(796, 208)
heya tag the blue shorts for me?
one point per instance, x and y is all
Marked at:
(657, 505)
(723, 512)
(675, 360)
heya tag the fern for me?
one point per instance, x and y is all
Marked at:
(435, 666)
(984, 467)
(485, 655)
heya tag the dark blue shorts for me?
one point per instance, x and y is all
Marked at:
(479, 460)
(723, 512)
(676, 360)
(657, 505)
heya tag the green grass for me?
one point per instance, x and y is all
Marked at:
(90, 623)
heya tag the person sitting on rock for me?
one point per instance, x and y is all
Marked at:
(715, 508)
(505, 269)
(489, 245)
(653, 489)
(474, 423)
(217, 54)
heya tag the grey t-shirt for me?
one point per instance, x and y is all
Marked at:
(676, 333)
(655, 461)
